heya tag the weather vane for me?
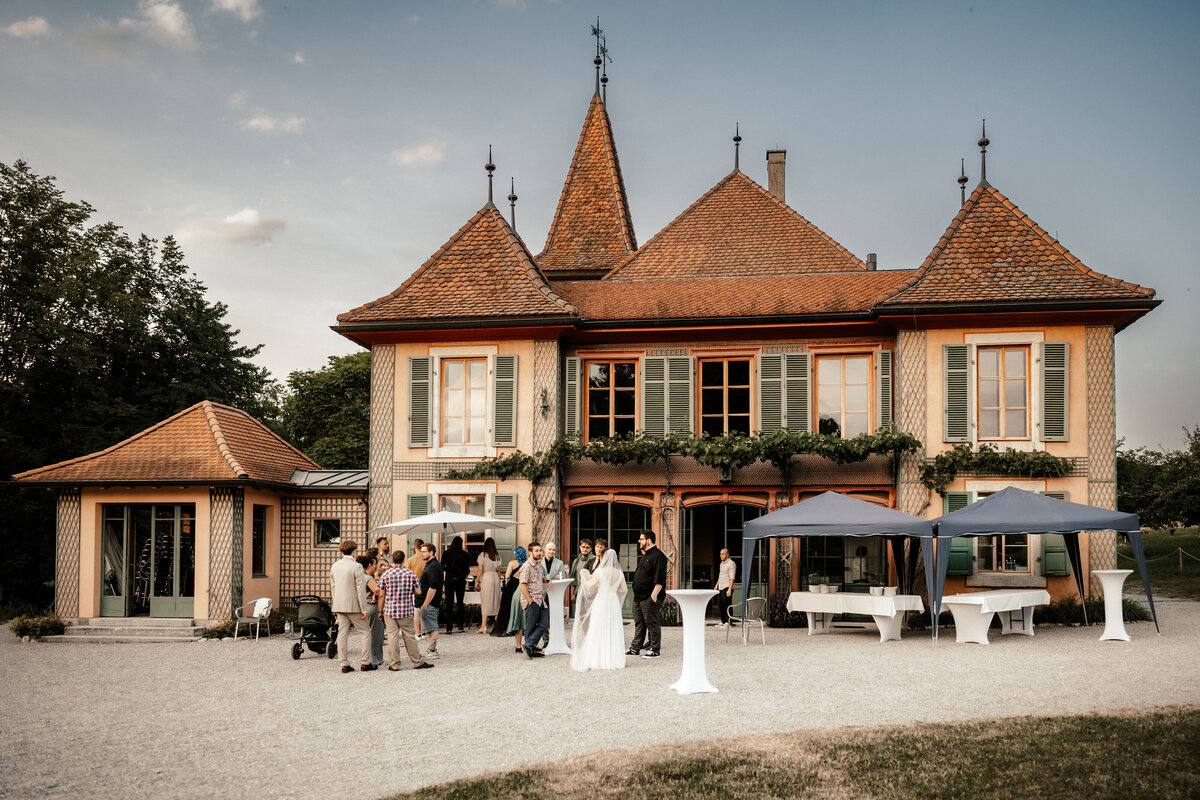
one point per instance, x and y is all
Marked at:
(602, 60)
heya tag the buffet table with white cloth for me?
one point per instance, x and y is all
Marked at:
(887, 611)
(973, 612)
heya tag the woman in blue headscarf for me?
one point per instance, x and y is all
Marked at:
(511, 617)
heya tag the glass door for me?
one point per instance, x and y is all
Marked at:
(114, 560)
(173, 560)
(708, 530)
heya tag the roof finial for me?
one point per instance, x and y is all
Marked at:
(983, 143)
(737, 143)
(512, 203)
(601, 53)
(604, 69)
(962, 181)
(490, 167)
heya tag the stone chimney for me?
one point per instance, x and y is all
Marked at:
(872, 261)
(775, 160)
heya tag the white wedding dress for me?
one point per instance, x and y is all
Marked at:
(598, 637)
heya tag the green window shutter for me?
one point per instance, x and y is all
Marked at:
(504, 506)
(571, 396)
(797, 392)
(956, 393)
(1055, 563)
(883, 388)
(419, 505)
(770, 393)
(503, 371)
(420, 401)
(679, 394)
(654, 396)
(962, 549)
(1055, 366)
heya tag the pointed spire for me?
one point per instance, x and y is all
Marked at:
(737, 144)
(512, 203)
(598, 34)
(983, 144)
(490, 167)
(962, 181)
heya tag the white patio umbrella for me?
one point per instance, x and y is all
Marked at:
(442, 523)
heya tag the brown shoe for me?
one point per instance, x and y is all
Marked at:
(347, 668)
(424, 665)
(368, 668)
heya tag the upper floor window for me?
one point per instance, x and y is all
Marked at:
(1003, 375)
(611, 398)
(463, 400)
(843, 395)
(724, 396)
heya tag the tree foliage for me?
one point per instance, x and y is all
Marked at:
(1161, 487)
(101, 336)
(327, 412)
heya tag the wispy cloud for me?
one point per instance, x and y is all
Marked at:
(238, 99)
(298, 57)
(245, 228)
(247, 10)
(267, 123)
(419, 154)
(159, 22)
(30, 28)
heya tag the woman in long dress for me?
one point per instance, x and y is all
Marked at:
(489, 583)
(598, 638)
(509, 617)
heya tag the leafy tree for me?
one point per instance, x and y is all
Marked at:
(327, 412)
(100, 336)
(1162, 488)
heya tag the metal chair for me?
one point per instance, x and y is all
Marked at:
(756, 612)
(260, 614)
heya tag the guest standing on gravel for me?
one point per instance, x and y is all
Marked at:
(431, 597)
(724, 586)
(400, 585)
(457, 566)
(533, 589)
(371, 597)
(346, 584)
(649, 585)
(416, 564)
(585, 560)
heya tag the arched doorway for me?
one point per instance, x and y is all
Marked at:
(709, 528)
(617, 523)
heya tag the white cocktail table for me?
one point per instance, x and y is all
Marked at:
(1114, 617)
(886, 611)
(554, 602)
(973, 612)
(693, 678)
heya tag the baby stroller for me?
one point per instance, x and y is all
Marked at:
(318, 628)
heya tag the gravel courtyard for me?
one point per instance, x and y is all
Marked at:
(225, 719)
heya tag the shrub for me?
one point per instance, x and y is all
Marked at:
(779, 617)
(37, 627)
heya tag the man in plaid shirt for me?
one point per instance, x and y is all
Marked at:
(399, 584)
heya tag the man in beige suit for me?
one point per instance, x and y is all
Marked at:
(347, 582)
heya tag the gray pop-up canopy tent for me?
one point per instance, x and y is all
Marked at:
(833, 514)
(1014, 510)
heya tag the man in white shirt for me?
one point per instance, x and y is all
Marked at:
(725, 578)
(347, 582)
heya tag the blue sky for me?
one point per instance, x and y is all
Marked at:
(310, 156)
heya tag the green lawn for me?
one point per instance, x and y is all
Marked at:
(1153, 753)
(1162, 561)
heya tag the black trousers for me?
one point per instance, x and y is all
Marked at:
(454, 596)
(646, 630)
(724, 602)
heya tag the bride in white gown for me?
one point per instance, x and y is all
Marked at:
(598, 637)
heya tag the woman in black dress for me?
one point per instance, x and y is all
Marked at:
(507, 591)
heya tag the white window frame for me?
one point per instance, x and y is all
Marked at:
(994, 580)
(436, 448)
(1030, 339)
(814, 378)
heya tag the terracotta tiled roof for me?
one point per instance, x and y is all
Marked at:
(592, 228)
(737, 228)
(484, 271)
(993, 252)
(205, 443)
(730, 296)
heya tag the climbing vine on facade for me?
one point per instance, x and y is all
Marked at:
(941, 471)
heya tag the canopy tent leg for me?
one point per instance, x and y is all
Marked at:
(1139, 554)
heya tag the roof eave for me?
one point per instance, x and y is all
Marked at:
(772, 319)
(1137, 307)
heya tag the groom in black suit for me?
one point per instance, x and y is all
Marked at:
(649, 590)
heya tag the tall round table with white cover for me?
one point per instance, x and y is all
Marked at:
(693, 678)
(554, 601)
(1114, 618)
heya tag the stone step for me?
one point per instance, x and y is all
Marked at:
(127, 622)
(139, 631)
(118, 639)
